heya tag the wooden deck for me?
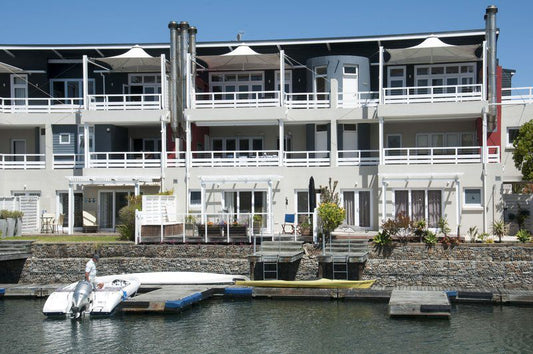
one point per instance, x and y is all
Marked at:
(419, 303)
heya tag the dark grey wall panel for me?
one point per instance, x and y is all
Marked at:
(69, 148)
(310, 137)
(363, 136)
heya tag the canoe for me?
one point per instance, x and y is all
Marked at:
(178, 278)
(320, 283)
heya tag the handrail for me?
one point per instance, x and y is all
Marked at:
(232, 158)
(130, 159)
(124, 102)
(517, 95)
(358, 157)
(22, 161)
(358, 99)
(68, 161)
(40, 105)
(439, 155)
(237, 99)
(306, 158)
(432, 94)
(307, 100)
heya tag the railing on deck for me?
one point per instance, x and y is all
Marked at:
(358, 99)
(307, 100)
(251, 158)
(68, 161)
(517, 95)
(125, 102)
(246, 99)
(40, 105)
(22, 161)
(432, 94)
(306, 158)
(176, 160)
(439, 155)
(358, 157)
(125, 159)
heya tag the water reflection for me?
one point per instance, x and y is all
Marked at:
(269, 326)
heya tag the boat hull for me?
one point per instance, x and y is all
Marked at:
(319, 284)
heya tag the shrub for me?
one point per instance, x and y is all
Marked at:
(331, 216)
(430, 239)
(382, 239)
(483, 236)
(405, 227)
(523, 235)
(498, 229)
(420, 229)
(126, 215)
(473, 233)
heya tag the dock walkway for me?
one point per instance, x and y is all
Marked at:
(431, 303)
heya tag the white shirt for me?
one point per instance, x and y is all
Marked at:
(90, 268)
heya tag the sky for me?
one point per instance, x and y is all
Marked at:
(135, 21)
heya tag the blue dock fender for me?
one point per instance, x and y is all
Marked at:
(186, 301)
(451, 293)
(124, 295)
(240, 292)
(2, 292)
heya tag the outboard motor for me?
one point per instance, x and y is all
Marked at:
(80, 299)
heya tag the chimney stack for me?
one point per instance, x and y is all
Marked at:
(490, 35)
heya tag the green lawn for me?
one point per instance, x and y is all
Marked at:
(68, 238)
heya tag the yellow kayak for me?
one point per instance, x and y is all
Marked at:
(320, 283)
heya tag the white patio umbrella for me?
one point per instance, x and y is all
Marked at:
(242, 58)
(134, 60)
(432, 50)
(6, 68)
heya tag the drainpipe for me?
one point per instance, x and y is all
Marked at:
(490, 34)
(173, 101)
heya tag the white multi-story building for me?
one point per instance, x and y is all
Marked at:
(414, 123)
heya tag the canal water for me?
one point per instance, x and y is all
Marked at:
(269, 326)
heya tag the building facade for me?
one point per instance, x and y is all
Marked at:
(411, 124)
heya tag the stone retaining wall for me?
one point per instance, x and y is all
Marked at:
(465, 266)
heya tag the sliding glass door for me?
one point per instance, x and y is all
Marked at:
(109, 206)
(357, 206)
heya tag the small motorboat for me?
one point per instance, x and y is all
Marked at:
(79, 299)
(320, 283)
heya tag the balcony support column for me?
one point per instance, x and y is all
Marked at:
(484, 138)
(281, 142)
(281, 77)
(85, 82)
(484, 72)
(333, 149)
(163, 157)
(381, 98)
(70, 209)
(203, 202)
(383, 201)
(86, 146)
(269, 208)
(163, 102)
(458, 201)
(381, 152)
(48, 147)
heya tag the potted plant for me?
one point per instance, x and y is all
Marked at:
(523, 235)
(304, 227)
(3, 222)
(257, 223)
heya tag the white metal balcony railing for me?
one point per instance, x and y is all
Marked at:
(432, 94)
(439, 155)
(245, 99)
(358, 157)
(124, 159)
(125, 102)
(22, 161)
(517, 95)
(68, 161)
(40, 105)
(306, 158)
(174, 160)
(307, 100)
(358, 99)
(251, 158)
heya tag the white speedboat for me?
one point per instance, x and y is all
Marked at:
(79, 299)
(181, 278)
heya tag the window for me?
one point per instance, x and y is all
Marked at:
(320, 80)
(143, 84)
(69, 88)
(288, 81)
(473, 197)
(350, 69)
(445, 74)
(19, 89)
(419, 204)
(64, 138)
(512, 133)
(236, 82)
(396, 78)
(195, 198)
(302, 207)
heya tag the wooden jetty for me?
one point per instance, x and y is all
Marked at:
(430, 303)
(276, 260)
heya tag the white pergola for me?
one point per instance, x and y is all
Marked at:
(106, 181)
(447, 177)
(268, 179)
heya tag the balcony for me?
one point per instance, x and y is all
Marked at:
(439, 155)
(358, 157)
(260, 158)
(517, 95)
(432, 94)
(125, 102)
(40, 105)
(358, 99)
(248, 99)
(22, 161)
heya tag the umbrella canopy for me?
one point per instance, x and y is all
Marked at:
(134, 60)
(312, 194)
(432, 50)
(242, 58)
(6, 68)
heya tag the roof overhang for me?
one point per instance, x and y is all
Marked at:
(114, 180)
(432, 50)
(240, 179)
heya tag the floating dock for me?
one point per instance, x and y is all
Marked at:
(419, 303)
